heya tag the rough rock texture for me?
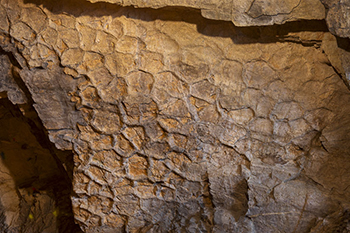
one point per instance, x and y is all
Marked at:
(183, 124)
(34, 194)
(338, 17)
(243, 12)
(260, 12)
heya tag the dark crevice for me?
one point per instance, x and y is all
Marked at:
(60, 184)
(213, 28)
(343, 43)
(208, 27)
(341, 76)
(12, 58)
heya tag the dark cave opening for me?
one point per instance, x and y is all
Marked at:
(36, 186)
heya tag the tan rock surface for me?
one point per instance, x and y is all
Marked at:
(243, 12)
(260, 12)
(184, 124)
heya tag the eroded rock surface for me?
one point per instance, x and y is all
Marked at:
(260, 12)
(242, 13)
(338, 17)
(182, 124)
(34, 193)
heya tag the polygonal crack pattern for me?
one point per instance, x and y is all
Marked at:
(183, 129)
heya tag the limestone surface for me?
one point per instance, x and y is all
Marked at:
(243, 12)
(338, 17)
(184, 124)
(260, 12)
(34, 196)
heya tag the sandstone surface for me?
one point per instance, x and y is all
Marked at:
(184, 124)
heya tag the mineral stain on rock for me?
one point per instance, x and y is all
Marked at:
(175, 120)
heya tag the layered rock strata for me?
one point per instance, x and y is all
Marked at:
(260, 12)
(241, 13)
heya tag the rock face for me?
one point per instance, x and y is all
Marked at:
(241, 13)
(34, 194)
(338, 17)
(260, 12)
(184, 124)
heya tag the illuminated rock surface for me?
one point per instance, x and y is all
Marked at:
(184, 124)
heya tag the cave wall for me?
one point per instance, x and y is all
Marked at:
(34, 192)
(180, 123)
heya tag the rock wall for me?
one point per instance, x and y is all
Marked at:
(184, 124)
(34, 187)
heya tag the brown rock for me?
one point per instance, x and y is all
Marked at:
(179, 123)
(242, 13)
(338, 17)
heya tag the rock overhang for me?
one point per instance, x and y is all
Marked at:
(245, 13)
